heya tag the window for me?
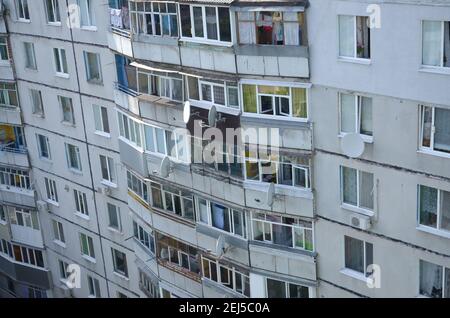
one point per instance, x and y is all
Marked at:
(435, 132)
(87, 246)
(23, 13)
(43, 147)
(166, 142)
(272, 28)
(87, 17)
(356, 114)
(114, 217)
(4, 55)
(214, 92)
(50, 187)
(108, 169)
(221, 217)
(354, 37)
(130, 129)
(144, 237)
(58, 231)
(137, 185)
(26, 255)
(205, 23)
(434, 208)
(101, 119)
(53, 15)
(67, 110)
(93, 67)
(36, 102)
(94, 287)
(173, 200)
(8, 95)
(147, 285)
(2, 214)
(263, 166)
(73, 157)
(358, 255)
(161, 84)
(30, 58)
(6, 248)
(175, 253)
(15, 178)
(154, 18)
(434, 280)
(357, 188)
(63, 270)
(25, 218)
(227, 275)
(279, 289)
(436, 43)
(36, 293)
(275, 101)
(61, 62)
(286, 231)
(81, 205)
(120, 262)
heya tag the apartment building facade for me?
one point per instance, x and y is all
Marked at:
(113, 103)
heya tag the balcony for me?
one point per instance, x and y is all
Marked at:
(6, 71)
(10, 115)
(119, 37)
(27, 274)
(26, 235)
(126, 97)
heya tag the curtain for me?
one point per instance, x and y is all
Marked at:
(447, 283)
(275, 288)
(249, 93)
(282, 234)
(220, 218)
(203, 211)
(363, 37)
(442, 133)
(247, 33)
(349, 185)
(354, 258)
(348, 114)
(346, 35)
(431, 43)
(120, 67)
(211, 23)
(299, 104)
(291, 31)
(430, 279)
(428, 206)
(366, 188)
(447, 44)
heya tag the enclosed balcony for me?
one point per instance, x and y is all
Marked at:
(119, 37)
(12, 146)
(9, 103)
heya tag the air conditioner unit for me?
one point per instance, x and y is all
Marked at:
(360, 221)
(103, 189)
(42, 205)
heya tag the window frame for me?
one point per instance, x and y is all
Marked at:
(445, 272)
(78, 168)
(358, 104)
(438, 229)
(141, 235)
(52, 194)
(91, 23)
(101, 128)
(43, 139)
(430, 149)
(143, 185)
(93, 287)
(89, 244)
(15, 178)
(286, 286)
(139, 19)
(38, 111)
(109, 168)
(364, 274)
(358, 206)
(81, 203)
(115, 253)
(24, 14)
(442, 46)
(355, 43)
(58, 232)
(5, 48)
(88, 68)
(118, 217)
(60, 62)
(55, 12)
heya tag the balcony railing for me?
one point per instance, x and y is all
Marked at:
(120, 21)
(126, 89)
(12, 147)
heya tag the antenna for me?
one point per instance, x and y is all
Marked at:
(214, 117)
(352, 145)
(165, 168)
(186, 112)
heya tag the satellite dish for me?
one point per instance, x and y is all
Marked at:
(186, 112)
(164, 169)
(220, 245)
(270, 194)
(212, 116)
(352, 145)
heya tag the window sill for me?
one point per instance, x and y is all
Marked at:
(220, 108)
(435, 70)
(54, 24)
(59, 243)
(89, 259)
(356, 209)
(23, 20)
(62, 75)
(430, 230)
(121, 276)
(90, 28)
(279, 189)
(95, 82)
(433, 153)
(54, 203)
(83, 216)
(39, 116)
(109, 184)
(367, 139)
(75, 171)
(114, 230)
(206, 41)
(355, 60)
(46, 160)
(102, 134)
(91, 296)
(354, 274)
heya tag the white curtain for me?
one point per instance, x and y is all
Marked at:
(430, 279)
(366, 116)
(291, 33)
(346, 35)
(247, 33)
(349, 183)
(431, 43)
(445, 211)
(366, 188)
(447, 44)
(348, 115)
